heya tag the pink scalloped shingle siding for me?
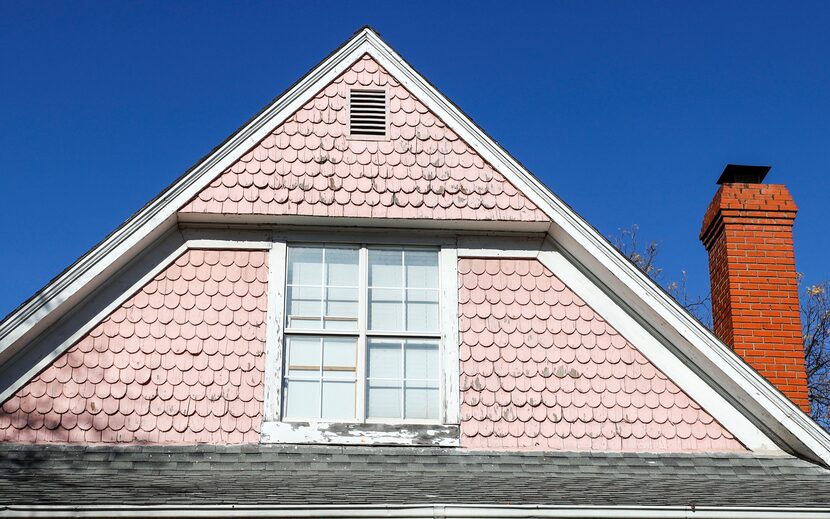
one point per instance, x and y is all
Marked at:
(181, 361)
(309, 167)
(540, 370)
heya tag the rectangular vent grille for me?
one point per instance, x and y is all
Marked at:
(367, 112)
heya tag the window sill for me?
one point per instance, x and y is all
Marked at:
(361, 434)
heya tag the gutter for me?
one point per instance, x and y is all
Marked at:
(425, 511)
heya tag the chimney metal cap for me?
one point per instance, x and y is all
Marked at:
(741, 174)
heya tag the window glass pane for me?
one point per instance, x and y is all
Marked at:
(341, 309)
(421, 269)
(385, 268)
(384, 400)
(421, 385)
(304, 351)
(341, 267)
(304, 307)
(422, 311)
(305, 266)
(302, 399)
(338, 400)
(339, 352)
(306, 396)
(384, 359)
(421, 360)
(303, 373)
(386, 309)
(421, 401)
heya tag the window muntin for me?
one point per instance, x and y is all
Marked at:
(362, 334)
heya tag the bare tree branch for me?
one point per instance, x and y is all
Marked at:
(815, 325)
(815, 316)
(644, 257)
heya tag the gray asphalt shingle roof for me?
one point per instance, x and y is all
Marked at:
(318, 475)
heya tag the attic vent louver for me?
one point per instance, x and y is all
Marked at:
(367, 112)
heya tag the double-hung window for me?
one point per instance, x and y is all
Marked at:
(362, 335)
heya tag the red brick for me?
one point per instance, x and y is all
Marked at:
(747, 231)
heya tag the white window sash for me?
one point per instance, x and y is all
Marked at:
(362, 332)
(443, 431)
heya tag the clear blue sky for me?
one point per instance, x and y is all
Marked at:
(628, 111)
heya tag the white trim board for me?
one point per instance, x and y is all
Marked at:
(450, 365)
(575, 236)
(420, 435)
(364, 222)
(274, 332)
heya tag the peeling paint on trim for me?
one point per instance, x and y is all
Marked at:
(361, 433)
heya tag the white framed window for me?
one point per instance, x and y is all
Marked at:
(363, 346)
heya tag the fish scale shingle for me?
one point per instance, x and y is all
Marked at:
(180, 361)
(309, 166)
(541, 370)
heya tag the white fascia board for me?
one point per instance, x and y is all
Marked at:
(754, 393)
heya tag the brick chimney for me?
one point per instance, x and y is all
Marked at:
(747, 231)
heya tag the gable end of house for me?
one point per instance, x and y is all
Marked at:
(531, 331)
